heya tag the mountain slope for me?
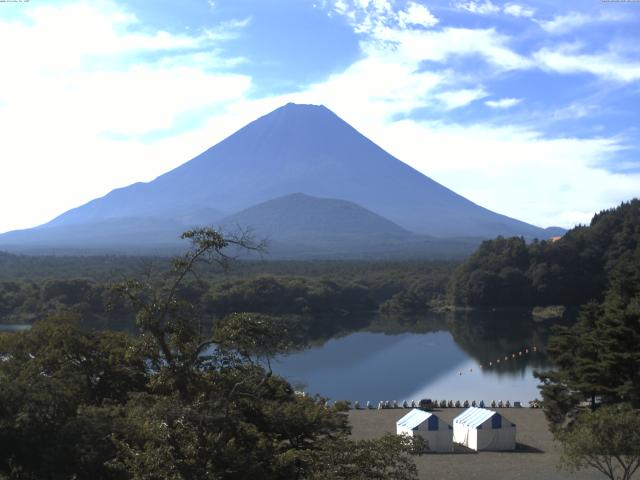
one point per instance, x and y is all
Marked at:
(303, 148)
(302, 217)
(302, 226)
(296, 148)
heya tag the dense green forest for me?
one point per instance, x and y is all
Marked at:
(505, 272)
(31, 288)
(591, 398)
(570, 271)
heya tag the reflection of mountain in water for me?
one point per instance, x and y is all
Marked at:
(489, 336)
(403, 358)
(372, 366)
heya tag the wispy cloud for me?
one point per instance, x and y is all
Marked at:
(372, 16)
(567, 58)
(565, 23)
(482, 8)
(518, 10)
(487, 7)
(416, 14)
(503, 103)
(490, 164)
(448, 42)
(570, 21)
(460, 98)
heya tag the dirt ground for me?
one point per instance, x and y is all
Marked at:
(535, 457)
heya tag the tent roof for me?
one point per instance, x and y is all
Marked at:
(414, 418)
(473, 417)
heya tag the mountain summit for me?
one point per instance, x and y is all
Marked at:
(295, 148)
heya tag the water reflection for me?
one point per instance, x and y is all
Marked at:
(14, 328)
(438, 356)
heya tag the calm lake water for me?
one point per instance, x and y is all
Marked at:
(13, 328)
(373, 366)
(435, 357)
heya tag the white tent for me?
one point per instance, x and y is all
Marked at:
(437, 434)
(481, 429)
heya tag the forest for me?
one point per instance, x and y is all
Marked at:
(30, 290)
(570, 271)
(505, 272)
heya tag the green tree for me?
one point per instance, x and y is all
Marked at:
(597, 359)
(386, 458)
(187, 399)
(607, 439)
(60, 389)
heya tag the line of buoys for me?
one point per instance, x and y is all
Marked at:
(507, 357)
(393, 404)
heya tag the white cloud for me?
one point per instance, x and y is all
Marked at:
(503, 103)
(440, 45)
(379, 86)
(565, 23)
(573, 111)
(374, 16)
(417, 14)
(489, 8)
(460, 98)
(76, 78)
(490, 165)
(482, 8)
(567, 59)
(518, 10)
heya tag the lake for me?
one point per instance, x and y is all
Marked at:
(8, 327)
(451, 357)
(451, 363)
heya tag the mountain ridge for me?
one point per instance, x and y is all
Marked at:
(295, 148)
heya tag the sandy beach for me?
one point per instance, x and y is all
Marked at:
(536, 456)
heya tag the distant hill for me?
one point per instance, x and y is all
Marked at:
(296, 148)
(299, 225)
(300, 217)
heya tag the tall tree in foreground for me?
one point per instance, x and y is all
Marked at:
(597, 359)
(185, 400)
(598, 362)
(607, 439)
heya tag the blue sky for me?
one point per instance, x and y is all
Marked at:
(529, 108)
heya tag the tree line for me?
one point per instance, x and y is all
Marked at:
(591, 398)
(570, 271)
